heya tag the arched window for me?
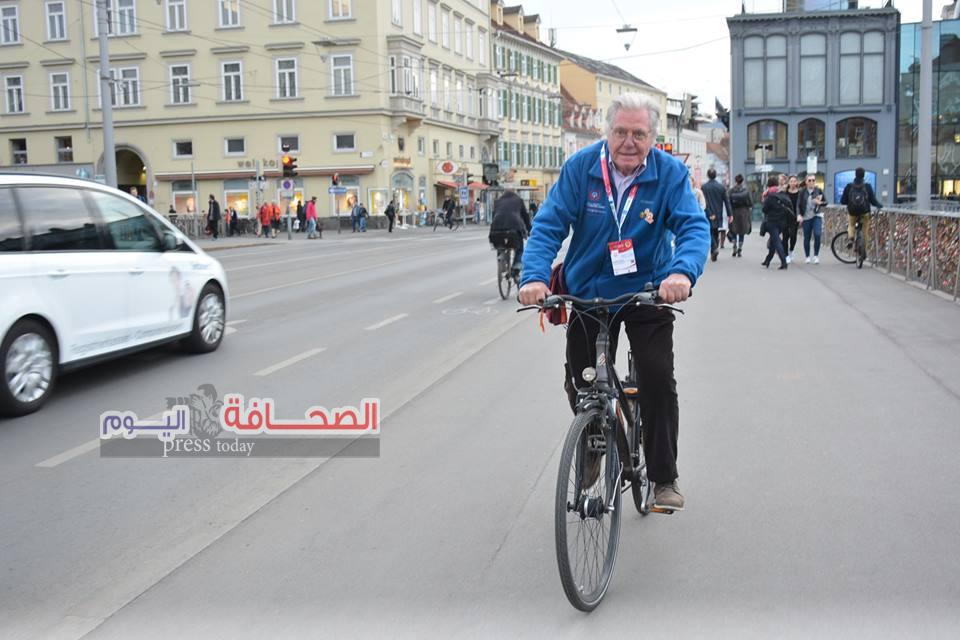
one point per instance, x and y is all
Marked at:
(857, 138)
(811, 134)
(770, 133)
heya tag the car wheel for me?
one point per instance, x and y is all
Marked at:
(28, 357)
(209, 321)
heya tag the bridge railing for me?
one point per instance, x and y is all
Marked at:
(919, 246)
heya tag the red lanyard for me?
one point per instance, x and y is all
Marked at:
(606, 184)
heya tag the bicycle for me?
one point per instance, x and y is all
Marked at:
(847, 252)
(506, 277)
(452, 221)
(602, 458)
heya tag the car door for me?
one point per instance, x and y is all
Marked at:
(155, 284)
(17, 289)
(78, 278)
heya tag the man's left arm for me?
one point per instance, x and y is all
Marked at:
(873, 197)
(692, 232)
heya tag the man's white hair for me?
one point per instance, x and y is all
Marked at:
(634, 102)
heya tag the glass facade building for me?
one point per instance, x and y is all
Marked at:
(945, 170)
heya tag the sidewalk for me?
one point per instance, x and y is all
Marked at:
(238, 242)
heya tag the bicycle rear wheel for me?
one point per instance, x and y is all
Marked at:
(861, 249)
(587, 510)
(504, 277)
(840, 250)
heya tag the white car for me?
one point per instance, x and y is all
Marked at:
(89, 273)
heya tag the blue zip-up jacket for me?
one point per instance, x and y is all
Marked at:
(579, 200)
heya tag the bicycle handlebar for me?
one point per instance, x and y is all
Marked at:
(649, 297)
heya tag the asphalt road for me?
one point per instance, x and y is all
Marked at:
(819, 437)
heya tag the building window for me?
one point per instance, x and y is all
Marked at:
(445, 29)
(121, 17)
(459, 96)
(410, 85)
(482, 47)
(396, 12)
(393, 75)
(861, 68)
(524, 108)
(461, 152)
(450, 150)
(813, 69)
(176, 15)
(447, 100)
(128, 82)
(421, 146)
(292, 143)
(234, 146)
(342, 75)
(180, 84)
(457, 35)
(418, 17)
(776, 70)
(182, 149)
(56, 21)
(14, 93)
(229, 13)
(232, 75)
(753, 72)
(64, 146)
(468, 39)
(283, 11)
(432, 22)
(18, 150)
(10, 24)
(434, 89)
(811, 138)
(287, 78)
(339, 9)
(772, 134)
(436, 148)
(344, 142)
(856, 138)
(60, 91)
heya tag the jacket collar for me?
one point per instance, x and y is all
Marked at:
(647, 175)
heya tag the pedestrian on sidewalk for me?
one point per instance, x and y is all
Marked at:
(264, 218)
(275, 218)
(234, 222)
(777, 211)
(740, 221)
(717, 204)
(362, 218)
(301, 217)
(213, 217)
(809, 210)
(355, 214)
(310, 215)
(790, 232)
(391, 213)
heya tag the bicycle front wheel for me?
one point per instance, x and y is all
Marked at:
(504, 278)
(587, 510)
(840, 250)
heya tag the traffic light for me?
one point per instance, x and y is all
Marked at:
(666, 147)
(289, 166)
(335, 179)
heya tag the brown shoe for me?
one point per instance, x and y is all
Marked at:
(667, 496)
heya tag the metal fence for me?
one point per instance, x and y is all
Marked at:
(919, 246)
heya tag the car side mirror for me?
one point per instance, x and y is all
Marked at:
(170, 241)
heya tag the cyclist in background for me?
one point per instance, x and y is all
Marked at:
(625, 201)
(858, 196)
(511, 224)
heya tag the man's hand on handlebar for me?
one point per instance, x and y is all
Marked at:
(676, 288)
(533, 293)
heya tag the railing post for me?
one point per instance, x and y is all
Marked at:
(932, 270)
(909, 269)
(956, 280)
(891, 240)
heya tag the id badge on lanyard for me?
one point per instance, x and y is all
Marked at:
(621, 252)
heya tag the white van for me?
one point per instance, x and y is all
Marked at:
(89, 273)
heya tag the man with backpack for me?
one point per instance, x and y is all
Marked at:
(858, 196)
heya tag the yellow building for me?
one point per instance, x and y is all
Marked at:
(390, 95)
(597, 83)
(530, 146)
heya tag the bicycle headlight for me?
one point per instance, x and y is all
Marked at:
(589, 374)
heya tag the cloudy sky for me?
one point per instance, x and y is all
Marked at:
(682, 45)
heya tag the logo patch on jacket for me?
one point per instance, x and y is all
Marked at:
(594, 196)
(647, 215)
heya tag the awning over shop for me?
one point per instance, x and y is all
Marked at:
(477, 185)
(447, 184)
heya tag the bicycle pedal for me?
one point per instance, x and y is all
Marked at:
(656, 509)
(630, 391)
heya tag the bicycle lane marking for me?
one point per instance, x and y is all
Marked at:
(447, 298)
(389, 320)
(289, 361)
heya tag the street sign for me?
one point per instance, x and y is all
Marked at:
(336, 190)
(812, 163)
(464, 194)
(764, 168)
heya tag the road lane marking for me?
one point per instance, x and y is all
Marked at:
(289, 361)
(384, 323)
(449, 297)
(230, 322)
(486, 282)
(492, 301)
(79, 450)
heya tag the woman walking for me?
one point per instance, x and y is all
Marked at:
(777, 211)
(792, 226)
(739, 219)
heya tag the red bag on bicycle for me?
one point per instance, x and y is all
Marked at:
(558, 285)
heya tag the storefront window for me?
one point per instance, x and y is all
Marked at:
(810, 138)
(856, 138)
(377, 200)
(344, 202)
(771, 133)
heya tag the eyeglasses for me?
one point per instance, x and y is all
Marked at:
(811, 179)
(639, 135)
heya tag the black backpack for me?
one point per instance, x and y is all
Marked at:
(857, 201)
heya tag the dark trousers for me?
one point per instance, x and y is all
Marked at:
(790, 237)
(714, 240)
(650, 332)
(775, 245)
(390, 224)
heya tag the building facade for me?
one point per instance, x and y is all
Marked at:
(530, 150)
(582, 125)
(815, 90)
(397, 97)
